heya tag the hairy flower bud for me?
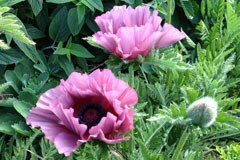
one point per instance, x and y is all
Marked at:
(203, 112)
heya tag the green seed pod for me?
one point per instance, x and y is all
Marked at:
(203, 112)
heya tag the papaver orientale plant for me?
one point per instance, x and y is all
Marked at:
(83, 108)
(128, 32)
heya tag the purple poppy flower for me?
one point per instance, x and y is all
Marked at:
(128, 32)
(83, 108)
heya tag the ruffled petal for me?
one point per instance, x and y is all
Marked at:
(111, 139)
(78, 85)
(137, 16)
(57, 110)
(66, 143)
(136, 41)
(106, 125)
(107, 130)
(53, 97)
(112, 20)
(156, 21)
(127, 39)
(69, 121)
(125, 121)
(128, 32)
(170, 35)
(47, 121)
(105, 25)
(106, 40)
(38, 117)
(113, 88)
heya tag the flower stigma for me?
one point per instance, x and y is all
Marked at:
(91, 114)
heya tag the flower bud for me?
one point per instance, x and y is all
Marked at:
(203, 112)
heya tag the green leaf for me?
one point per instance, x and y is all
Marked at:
(180, 145)
(3, 45)
(227, 118)
(191, 94)
(36, 6)
(28, 97)
(29, 50)
(97, 4)
(8, 57)
(4, 9)
(61, 51)
(48, 86)
(34, 32)
(22, 128)
(7, 102)
(5, 127)
(58, 29)
(79, 51)
(58, 1)
(81, 11)
(73, 48)
(4, 86)
(10, 24)
(10, 76)
(6, 120)
(73, 20)
(9, 3)
(191, 10)
(66, 65)
(129, 1)
(22, 107)
(41, 81)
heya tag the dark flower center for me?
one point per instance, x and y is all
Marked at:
(91, 114)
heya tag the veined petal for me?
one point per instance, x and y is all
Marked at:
(170, 35)
(66, 143)
(106, 40)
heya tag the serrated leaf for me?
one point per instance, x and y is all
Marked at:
(3, 45)
(4, 9)
(4, 86)
(10, 24)
(191, 10)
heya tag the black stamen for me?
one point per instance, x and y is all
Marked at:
(91, 114)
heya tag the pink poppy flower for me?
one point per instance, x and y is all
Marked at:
(83, 108)
(128, 32)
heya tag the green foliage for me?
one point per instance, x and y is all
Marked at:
(206, 63)
(9, 26)
(231, 151)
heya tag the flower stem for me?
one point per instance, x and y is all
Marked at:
(169, 11)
